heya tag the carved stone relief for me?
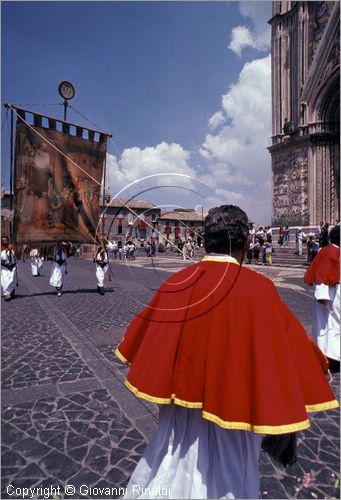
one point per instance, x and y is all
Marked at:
(290, 190)
(304, 194)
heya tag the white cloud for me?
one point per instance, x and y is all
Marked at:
(235, 166)
(241, 37)
(216, 120)
(257, 35)
(238, 163)
(148, 166)
(229, 195)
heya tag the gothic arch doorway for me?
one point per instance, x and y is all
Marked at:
(326, 151)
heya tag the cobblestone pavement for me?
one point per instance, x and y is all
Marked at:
(67, 419)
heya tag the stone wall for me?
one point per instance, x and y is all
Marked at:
(290, 185)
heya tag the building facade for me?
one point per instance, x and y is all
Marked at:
(140, 220)
(181, 224)
(7, 203)
(122, 220)
(305, 147)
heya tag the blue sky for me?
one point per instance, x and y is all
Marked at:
(182, 86)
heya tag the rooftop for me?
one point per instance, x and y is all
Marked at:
(121, 202)
(186, 214)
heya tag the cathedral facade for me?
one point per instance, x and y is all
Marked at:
(305, 148)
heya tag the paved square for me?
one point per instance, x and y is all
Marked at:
(68, 420)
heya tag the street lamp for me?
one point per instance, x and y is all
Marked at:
(67, 91)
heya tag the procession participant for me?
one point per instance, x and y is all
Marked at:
(281, 236)
(286, 236)
(324, 237)
(26, 252)
(249, 248)
(9, 277)
(300, 237)
(313, 247)
(324, 274)
(252, 233)
(268, 252)
(59, 266)
(256, 250)
(268, 234)
(102, 263)
(36, 261)
(185, 250)
(221, 378)
(114, 249)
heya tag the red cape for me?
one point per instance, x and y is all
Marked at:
(325, 268)
(217, 336)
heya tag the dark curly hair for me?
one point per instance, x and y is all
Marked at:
(226, 229)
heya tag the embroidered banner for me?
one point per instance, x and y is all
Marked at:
(54, 198)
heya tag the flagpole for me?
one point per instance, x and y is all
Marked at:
(103, 194)
(11, 178)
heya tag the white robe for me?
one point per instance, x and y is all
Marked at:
(101, 271)
(100, 274)
(326, 320)
(57, 271)
(8, 277)
(190, 457)
(36, 262)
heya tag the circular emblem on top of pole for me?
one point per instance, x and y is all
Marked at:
(66, 90)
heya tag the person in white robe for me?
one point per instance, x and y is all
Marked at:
(102, 263)
(190, 457)
(9, 277)
(195, 453)
(300, 236)
(58, 267)
(326, 319)
(326, 312)
(36, 262)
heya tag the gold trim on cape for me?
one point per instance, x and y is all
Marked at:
(220, 258)
(121, 357)
(245, 426)
(328, 405)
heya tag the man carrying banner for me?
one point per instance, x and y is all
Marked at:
(9, 278)
(36, 261)
(102, 263)
(59, 266)
(223, 380)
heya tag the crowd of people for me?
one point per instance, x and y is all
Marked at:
(259, 245)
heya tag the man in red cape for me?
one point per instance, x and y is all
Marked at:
(324, 274)
(223, 378)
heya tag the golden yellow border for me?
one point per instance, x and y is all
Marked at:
(245, 426)
(329, 405)
(220, 258)
(147, 397)
(121, 357)
(258, 429)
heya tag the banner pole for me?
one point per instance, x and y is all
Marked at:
(11, 180)
(103, 197)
